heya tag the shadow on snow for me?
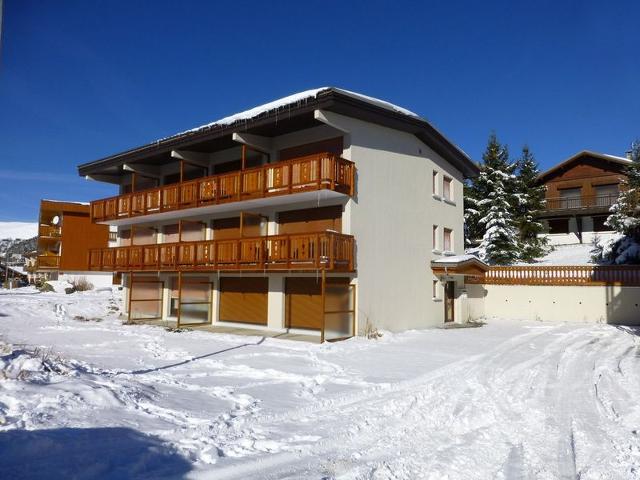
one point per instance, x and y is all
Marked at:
(83, 453)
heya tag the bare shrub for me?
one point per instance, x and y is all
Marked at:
(371, 331)
(81, 284)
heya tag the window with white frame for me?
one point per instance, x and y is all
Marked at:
(435, 237)
(447, 189)
(434, 290)
(435, 182)
(447, 237)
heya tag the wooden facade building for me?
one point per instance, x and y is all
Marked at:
(579, 194)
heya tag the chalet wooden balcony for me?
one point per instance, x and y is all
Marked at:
(328, 251)
(313, 172)
(50, 231)
(48, 262)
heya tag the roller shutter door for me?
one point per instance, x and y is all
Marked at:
(244, 300)
(304, 302)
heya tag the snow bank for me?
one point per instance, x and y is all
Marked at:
(579, 254)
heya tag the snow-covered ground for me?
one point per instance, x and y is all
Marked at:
(578, 254)
(83, 396)
(18, 230)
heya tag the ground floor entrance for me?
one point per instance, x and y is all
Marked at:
(244, 300)
(316, 305)
(449, 301)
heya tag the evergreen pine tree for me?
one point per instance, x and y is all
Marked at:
(624, 218)
(530, 198)
(490, 205)
(477, 190)
(499, 244)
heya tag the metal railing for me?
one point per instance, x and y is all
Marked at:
(312, 172)
(578, 202)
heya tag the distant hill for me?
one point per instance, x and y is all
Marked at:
(18, 237)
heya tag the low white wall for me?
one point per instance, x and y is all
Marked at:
(98, 279)
(604, 304)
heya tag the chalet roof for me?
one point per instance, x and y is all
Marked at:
(584, 153)
(288, 114)
(459, 265)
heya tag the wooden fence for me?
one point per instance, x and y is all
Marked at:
(628, 275)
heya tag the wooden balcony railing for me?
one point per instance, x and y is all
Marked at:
(561, 275)
(314, 251)
(49, 231)
(313, 172)
(584, 202)
(48, 261)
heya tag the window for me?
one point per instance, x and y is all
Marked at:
(606, 195)
(570, 197)
(435, 237)
(448, 244)
(435, 182)
(598, 224)
(125, 238)
(559, 225)
(447, 189)
(434, 291)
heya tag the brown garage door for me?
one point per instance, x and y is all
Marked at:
(304, 302)
(244, 300)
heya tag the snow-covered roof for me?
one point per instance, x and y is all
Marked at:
(64, 201)
(299, 97)
(459, 265)
(588, 153)
(455, 259)
(300, 105)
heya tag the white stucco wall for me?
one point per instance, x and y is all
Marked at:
(604, 304)
(392, 216)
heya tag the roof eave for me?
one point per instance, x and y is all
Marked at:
(331, 100)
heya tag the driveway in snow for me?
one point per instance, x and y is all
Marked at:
(98, 399)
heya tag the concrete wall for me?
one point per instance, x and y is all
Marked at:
(603, 304)
(392, 216)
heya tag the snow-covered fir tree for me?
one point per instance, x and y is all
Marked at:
(490, 206)
(530, 196)
(624, 248)
(495, 157)
(499, 244)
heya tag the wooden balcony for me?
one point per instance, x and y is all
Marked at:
(583, 204)
(49, 231)
(328, 251)
(313, 172)
(48, 262)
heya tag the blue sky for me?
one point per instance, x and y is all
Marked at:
(80, 80)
